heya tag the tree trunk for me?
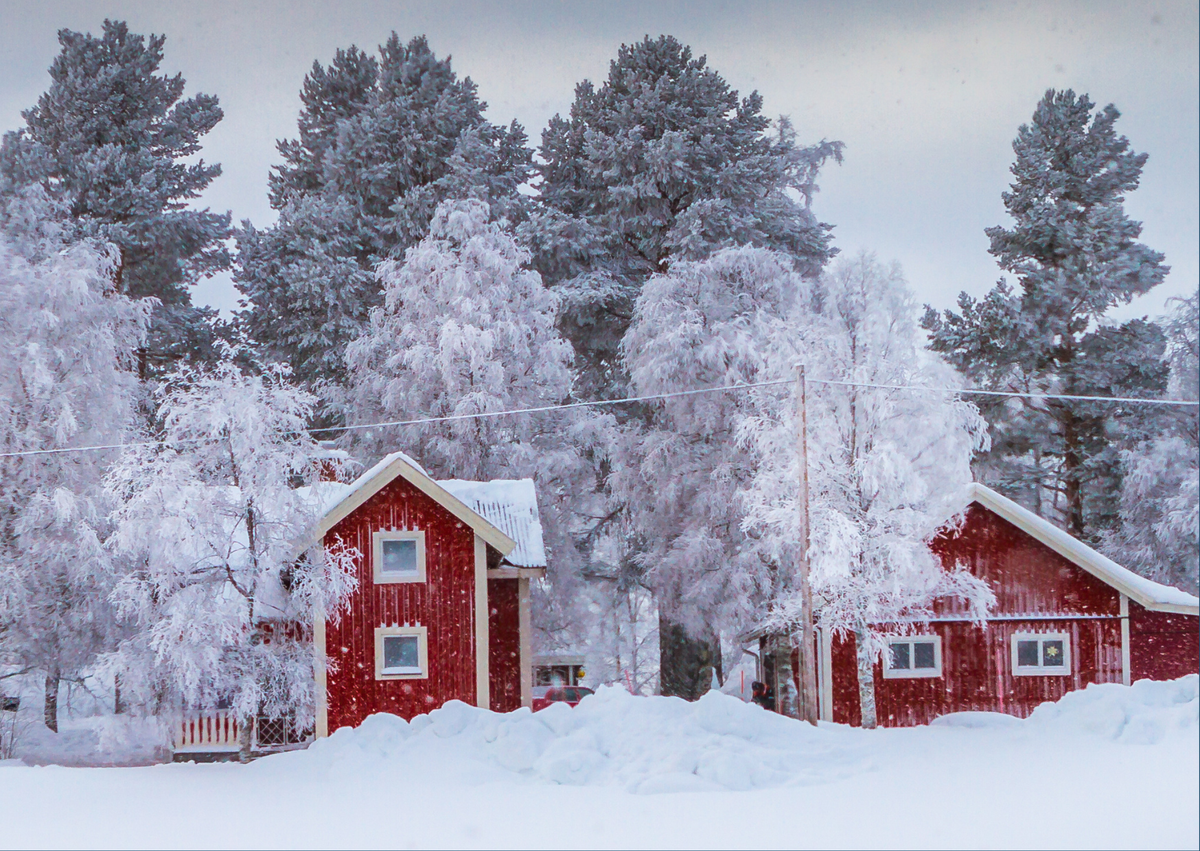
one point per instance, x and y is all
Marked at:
(866, 681)
(686, 664)
(50, 713)
(245, 738)
(1072, 467)
(786, 696)
(118, 703)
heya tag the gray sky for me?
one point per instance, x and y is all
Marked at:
(926, 96)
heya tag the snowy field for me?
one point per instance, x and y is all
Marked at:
(1109, 767)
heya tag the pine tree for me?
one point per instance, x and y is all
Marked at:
(663, 160)
(109, 144)
(67, 342)
(1074, 253)
(886, 467)
(210, 530)
(382, 142)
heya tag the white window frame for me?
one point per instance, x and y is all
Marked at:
(1040, 670)
(890, 673)
(422, 634)
(377, 540)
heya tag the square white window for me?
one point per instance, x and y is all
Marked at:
(1041, 654)
(398, 556)
(401, 653)
(913, 656)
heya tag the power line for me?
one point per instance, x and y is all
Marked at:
(655, 397)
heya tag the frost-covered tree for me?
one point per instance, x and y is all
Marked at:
(705, 323)
(113, 144)
(886, 467)
(1075, 254)
(1159, 534)
(466, 328)
(220, 581)
(381, 142)
(662, 160)
(67, 344)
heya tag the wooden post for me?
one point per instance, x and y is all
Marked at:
(808, 666)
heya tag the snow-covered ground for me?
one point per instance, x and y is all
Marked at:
(1106, 767)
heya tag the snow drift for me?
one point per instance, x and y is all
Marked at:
(664, 744)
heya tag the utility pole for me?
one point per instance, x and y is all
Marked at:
(808, 663)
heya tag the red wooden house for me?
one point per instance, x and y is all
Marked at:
(441, 611)
(442, 606)
(1065, 616)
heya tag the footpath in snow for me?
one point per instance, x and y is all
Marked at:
(1108, 766)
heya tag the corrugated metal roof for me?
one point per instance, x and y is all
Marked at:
(511, 506)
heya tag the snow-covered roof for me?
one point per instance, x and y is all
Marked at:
(503, 512)
(511, 506)
(1152, 595)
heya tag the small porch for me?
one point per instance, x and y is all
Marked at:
(214, 736)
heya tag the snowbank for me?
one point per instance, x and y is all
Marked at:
(719, 743)
(640, 744)
(1109, 767)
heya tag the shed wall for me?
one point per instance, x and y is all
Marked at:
(1163, 646)
(444, 604)
(504, 638)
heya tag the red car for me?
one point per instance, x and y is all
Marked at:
(570, 695)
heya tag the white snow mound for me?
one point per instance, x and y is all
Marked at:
(665, 744)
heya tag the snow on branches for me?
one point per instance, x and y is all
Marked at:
(221, 578)
(885, 466)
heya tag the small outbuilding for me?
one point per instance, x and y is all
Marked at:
(1065, 616)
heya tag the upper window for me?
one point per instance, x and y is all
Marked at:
(915, 656)
(398, 556)
(1041, 654)
(401, 653)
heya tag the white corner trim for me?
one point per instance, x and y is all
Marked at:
(890, 673)
(377, 539)
(320, 673)
(482, 683)
(400, 467)
(1080, 554)
(825, 675)
(524, 629)
(1126, 668)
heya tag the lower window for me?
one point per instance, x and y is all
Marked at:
(401, 653)
(913, 656)
(1044, 654)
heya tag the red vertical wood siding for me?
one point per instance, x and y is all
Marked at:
(444, 604)
(1033, 584)
(1163, 646)
(1027, 577)
(504, 639)
(977, 672)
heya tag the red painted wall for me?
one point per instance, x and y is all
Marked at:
(504, 639)
(1032, 585)
(444, 604)
(1163, 646)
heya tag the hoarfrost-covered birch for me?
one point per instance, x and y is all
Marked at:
(67, 344)
(467, 329)
(222, 580)
(886, 466)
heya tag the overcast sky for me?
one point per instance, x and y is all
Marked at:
(926, 96)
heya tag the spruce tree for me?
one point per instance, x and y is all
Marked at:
(662, 160)
(1075, 255)
(107, 145)
(381, 142)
